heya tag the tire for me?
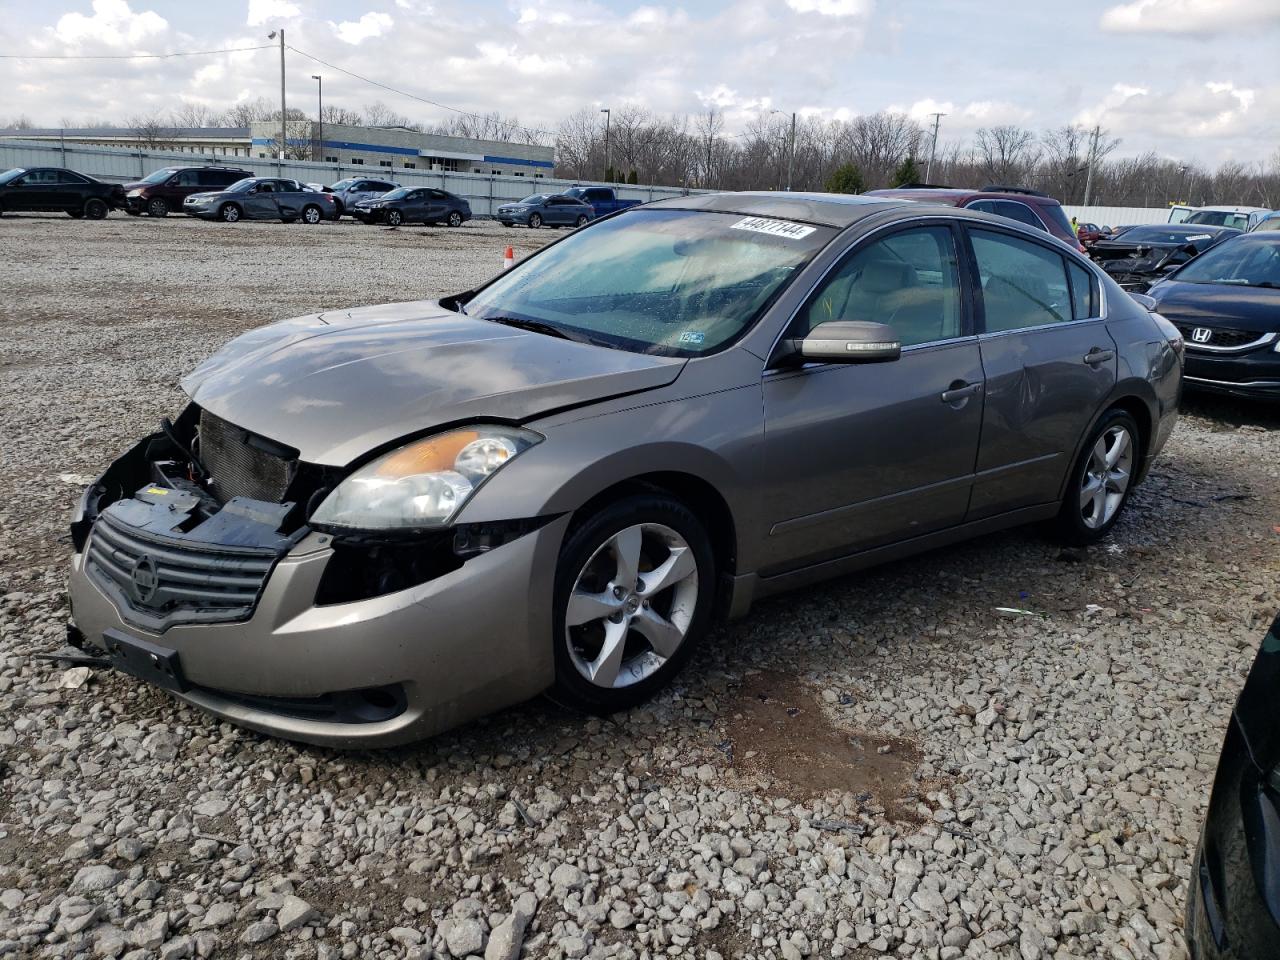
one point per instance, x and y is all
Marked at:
(1101, 480)
(455, 219)
(394, 218)
(311, 214)
(95, 209)
(158, 207)
(339, 209)
(678, 612)
(535, 221)
(583, 221)
(229, 213)
(75, 214)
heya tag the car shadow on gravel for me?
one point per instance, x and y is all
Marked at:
(1230, 411)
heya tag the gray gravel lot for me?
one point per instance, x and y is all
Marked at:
(881, 765)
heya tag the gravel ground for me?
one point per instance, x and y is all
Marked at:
(882, 765)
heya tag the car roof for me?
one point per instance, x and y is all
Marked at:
(953, 195)
(825, 209)
(1229, 209)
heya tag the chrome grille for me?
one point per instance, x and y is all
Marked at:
(163, 582)
(238, 468)
(1222, 337)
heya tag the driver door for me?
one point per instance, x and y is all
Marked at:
(858, 456)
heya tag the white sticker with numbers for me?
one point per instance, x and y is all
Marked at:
(777, 228)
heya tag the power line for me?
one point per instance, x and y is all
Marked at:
(129, 56)
(414, 96)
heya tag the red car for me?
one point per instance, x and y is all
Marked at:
(1091, 233)
(1031, 207)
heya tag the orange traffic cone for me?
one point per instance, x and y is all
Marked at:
(509, 258)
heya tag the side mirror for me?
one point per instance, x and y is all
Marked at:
(848, 341)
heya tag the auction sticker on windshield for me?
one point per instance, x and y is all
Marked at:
(777, 228)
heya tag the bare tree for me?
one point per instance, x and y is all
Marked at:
(20, 122)
(1006, 153)
(149, 129)
(245, 112)
(709, 124)
(196, 115)
(335, 115)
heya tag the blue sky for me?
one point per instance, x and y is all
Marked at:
(1190, 79)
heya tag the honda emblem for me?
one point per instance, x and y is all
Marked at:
(1201, 335)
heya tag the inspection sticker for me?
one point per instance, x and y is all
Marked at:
(694, 337)
(778, 228)
(1199, 236)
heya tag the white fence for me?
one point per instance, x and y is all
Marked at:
(485, 192)
(1118, 216)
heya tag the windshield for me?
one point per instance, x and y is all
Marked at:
(159, 176)
(678, 283)
(240, 186)
(12, 174)
(399, 193)
(1270, 223)
(536, 198)
(1246, 262)
(1219, 218)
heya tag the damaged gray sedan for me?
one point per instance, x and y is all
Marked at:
(371, 525)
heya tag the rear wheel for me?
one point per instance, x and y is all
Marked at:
(229, 213)
(455, 219)
(633, 596)
(1101, 480)
(95, 209)
(535, 221)
(157, 207)
(394, 218)
(311, 213)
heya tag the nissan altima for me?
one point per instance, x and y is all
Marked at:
(370, 525)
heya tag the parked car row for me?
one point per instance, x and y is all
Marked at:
(230, 194)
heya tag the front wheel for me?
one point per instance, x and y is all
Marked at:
(157, 208)
(1101, 480)
(633, 597)
(95, 209)
(455, 219)
(535, 221)
(311, 213)
(229, 213)
(582, 221)
(394, 218)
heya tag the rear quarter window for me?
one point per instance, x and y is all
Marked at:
(1053, 213)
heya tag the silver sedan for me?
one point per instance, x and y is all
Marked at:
(371, 525)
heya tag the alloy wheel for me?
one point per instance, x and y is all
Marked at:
(631, 605)
(311, 215)
(393, 218)
(1106, 477)
(455, 219)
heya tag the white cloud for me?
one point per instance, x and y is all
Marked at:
(113, 23)
(832, 8)
(269, 11)
(372, 24)
(1189, 16)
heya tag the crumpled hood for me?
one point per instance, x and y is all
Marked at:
(337, 385)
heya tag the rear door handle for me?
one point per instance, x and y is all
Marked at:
(960, 391)
(1098, 355)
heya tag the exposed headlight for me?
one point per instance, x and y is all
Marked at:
(135, 193)
(425, 483)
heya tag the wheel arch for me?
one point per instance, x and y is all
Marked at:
(1135, 398)
(696, 493)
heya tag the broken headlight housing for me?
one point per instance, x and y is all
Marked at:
(424, 484)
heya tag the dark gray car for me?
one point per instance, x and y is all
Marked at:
(263, 198)
(551, 209)
(374, 524)
(414, 205)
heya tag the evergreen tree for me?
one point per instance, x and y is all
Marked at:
(846, 178)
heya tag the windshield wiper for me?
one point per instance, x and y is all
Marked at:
(535, 326)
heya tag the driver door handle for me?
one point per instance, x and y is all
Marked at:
(1097, 355)
(960, 391)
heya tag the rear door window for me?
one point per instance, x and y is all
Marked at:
(1084, 297)
(1023, 283)
(187, 178)
(1018, 211)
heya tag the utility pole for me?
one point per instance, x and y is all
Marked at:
(791, 161)
(319, 115)
(933, 150)
(284, 130)
(1093, 152)
(607, 117)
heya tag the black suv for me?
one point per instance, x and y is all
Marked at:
(162, 192)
